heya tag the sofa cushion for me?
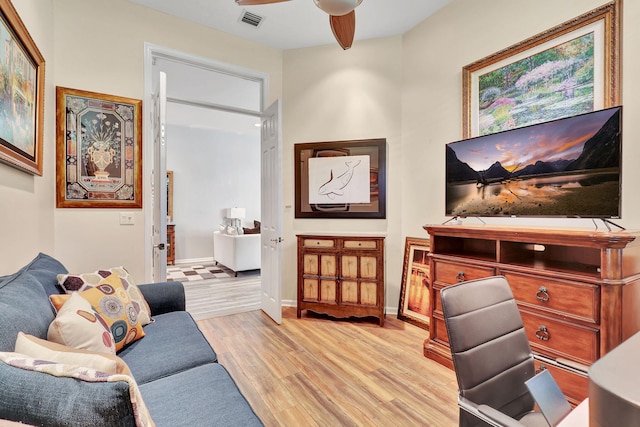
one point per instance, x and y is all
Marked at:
(45, 269)
(81, 282)
(215, 400)
(114, 305)
(78, 325)
(173, 343)
(24, 306)
(43, 399)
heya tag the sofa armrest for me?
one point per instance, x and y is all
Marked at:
(39, 398)
(164, 297)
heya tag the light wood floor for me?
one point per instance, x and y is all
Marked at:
(316, 371)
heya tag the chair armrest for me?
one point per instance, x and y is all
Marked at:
(487, 414)
(164, 297)
(499, 417)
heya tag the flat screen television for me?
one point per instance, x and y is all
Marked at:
(569, 167)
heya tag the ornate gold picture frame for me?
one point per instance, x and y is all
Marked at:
(21, 94)
(99, 150)
(414, 306)
(558, 68)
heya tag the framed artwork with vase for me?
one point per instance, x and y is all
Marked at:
(99, 150)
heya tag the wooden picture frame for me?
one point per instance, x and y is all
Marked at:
(21, 93)
(170, 196)
(574, 67)
(98, 150)
(414, 306)
(341, 175)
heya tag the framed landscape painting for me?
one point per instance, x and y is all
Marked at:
(414, 305)
(21, 94)
(99, 150)
(570, 69)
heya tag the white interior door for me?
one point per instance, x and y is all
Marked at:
(159, 189)
(271, 227)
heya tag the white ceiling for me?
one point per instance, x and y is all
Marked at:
(299, 23)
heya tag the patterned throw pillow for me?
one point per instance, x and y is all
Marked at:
(110, 299)
(61, 370)
(58, 353)
(78, 325)
(82, 282)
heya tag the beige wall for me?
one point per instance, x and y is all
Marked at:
(406, 89)
(351, 95)
(334, 95)
(467, 30)
(26, 201)
(99, 47)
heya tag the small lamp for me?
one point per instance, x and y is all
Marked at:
(236, 215)
(337, 7)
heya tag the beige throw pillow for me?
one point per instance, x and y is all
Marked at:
(78, 325)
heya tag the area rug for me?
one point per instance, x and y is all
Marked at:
(190, 273)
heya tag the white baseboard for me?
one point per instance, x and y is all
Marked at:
(194, 260)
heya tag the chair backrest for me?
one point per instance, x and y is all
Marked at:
(491, 353)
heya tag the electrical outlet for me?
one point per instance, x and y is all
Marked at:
(126, 218)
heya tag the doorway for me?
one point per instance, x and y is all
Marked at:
(224, 99)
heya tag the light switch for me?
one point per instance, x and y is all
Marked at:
(126, 218)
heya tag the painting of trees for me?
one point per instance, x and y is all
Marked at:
(555, 83)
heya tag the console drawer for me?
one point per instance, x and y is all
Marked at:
(452, 273)
(566, 298)
(360, 244)
(557, 338)
(319, 243)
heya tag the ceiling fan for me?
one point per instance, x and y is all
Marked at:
(342, 16)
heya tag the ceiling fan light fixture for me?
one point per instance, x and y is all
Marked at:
(337, 7)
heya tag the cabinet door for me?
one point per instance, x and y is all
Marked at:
(329, 275)
(369, 293)
(311, 282)
(368, 267)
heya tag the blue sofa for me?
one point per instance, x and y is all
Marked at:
(174, 366)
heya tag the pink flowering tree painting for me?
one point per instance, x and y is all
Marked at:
(551, 84)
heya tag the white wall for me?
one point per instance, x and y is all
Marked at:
(212, 171)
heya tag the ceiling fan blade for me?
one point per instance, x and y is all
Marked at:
(257, 2)
(344, 28)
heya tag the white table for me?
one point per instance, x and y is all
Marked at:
(579, 417)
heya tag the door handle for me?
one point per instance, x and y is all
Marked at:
(159, 246)
(278, 240)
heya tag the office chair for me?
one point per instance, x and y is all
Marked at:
(491, 354)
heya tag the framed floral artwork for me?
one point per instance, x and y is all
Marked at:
(414, 305)
(99, 150)
(21, 94)
(570, 69)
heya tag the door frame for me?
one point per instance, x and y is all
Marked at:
(151, 52)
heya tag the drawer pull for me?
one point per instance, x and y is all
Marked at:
(541, 368)
(460, 276)
(542, 294)
(542, 333)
